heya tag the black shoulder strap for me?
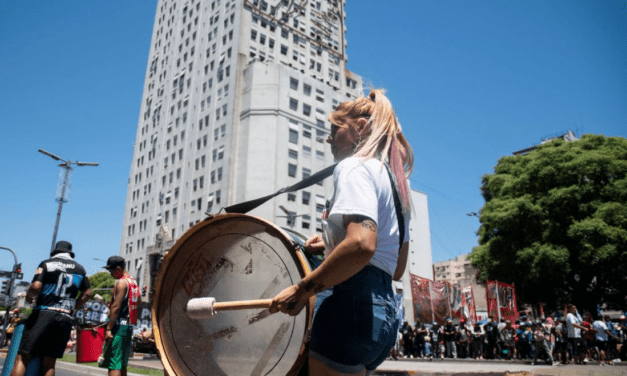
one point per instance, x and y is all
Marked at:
(245, 207)
(399, 211)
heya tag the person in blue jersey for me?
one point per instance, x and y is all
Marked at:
(56, 285)
(365, 239)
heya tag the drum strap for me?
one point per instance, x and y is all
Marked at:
(399, 211)
(245, 207)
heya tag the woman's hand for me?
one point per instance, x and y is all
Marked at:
(315, 244)
(290, 301)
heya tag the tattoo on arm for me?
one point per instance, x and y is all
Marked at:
(365, 222)
(316, 287)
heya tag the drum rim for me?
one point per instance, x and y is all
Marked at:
(301, 264)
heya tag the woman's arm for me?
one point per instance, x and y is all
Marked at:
(346, 260)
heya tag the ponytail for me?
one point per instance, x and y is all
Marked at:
(384, 140)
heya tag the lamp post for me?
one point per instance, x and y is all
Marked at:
(66, 167)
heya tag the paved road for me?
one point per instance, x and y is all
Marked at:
(461, 367)
(414, 367)
(73, 369)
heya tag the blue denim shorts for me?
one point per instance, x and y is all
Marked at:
(354, 324)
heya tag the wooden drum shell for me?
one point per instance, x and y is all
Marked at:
(231, 257)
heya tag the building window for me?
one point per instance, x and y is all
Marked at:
(293, 83)
(293, 153)
(307, 89)
(293, 104)
(306, 109)
(293, 136)
(306, 173)
(291, 170)
(291, 197)
(306, 197)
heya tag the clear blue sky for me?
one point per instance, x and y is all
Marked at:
(471, 82)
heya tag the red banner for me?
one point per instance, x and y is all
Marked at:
(421, 298)
(470, 311)
(503, 295)
(439, 301)
(456, 301)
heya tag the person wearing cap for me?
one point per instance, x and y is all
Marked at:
(613, 340)
(57, 284)
(449, 335)
(122, 316)
(436, 336)
(493, 335)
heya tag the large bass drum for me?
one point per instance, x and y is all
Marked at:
(231, 257)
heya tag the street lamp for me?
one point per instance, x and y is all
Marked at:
(291, 216)
(472, 214)
(62, 186)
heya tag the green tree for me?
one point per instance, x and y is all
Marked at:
(555, 223)
(102, 283)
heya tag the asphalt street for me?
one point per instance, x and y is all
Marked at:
(411, 367)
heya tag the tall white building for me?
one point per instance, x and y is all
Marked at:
(234, 107)
(419, 258)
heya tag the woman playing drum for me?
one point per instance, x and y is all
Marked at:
(355, 322)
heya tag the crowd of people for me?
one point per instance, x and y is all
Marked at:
(567, 339)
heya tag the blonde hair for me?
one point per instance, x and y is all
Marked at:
(384, 140)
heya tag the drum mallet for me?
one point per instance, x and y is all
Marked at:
(204, 308)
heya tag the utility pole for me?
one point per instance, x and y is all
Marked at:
(62, 187)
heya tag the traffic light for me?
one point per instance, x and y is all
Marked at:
(4, 289)
(144, 290)
(17, 270)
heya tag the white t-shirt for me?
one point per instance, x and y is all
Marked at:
(600, 327)
(571, 319)
(364, 188)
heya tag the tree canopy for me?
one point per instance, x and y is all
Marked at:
(102, 283)
(555, 223)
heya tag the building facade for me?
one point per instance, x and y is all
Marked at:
(234, 107)
(419, 260)
(459, 271)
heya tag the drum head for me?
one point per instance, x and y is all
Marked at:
(230, 257)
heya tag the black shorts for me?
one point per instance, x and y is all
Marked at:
(601, 345)
(559, 346)
(578, 346)
(46, 333)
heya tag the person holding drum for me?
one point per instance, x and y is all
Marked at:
(355, 322)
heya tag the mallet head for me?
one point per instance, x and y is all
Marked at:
(201, 308)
